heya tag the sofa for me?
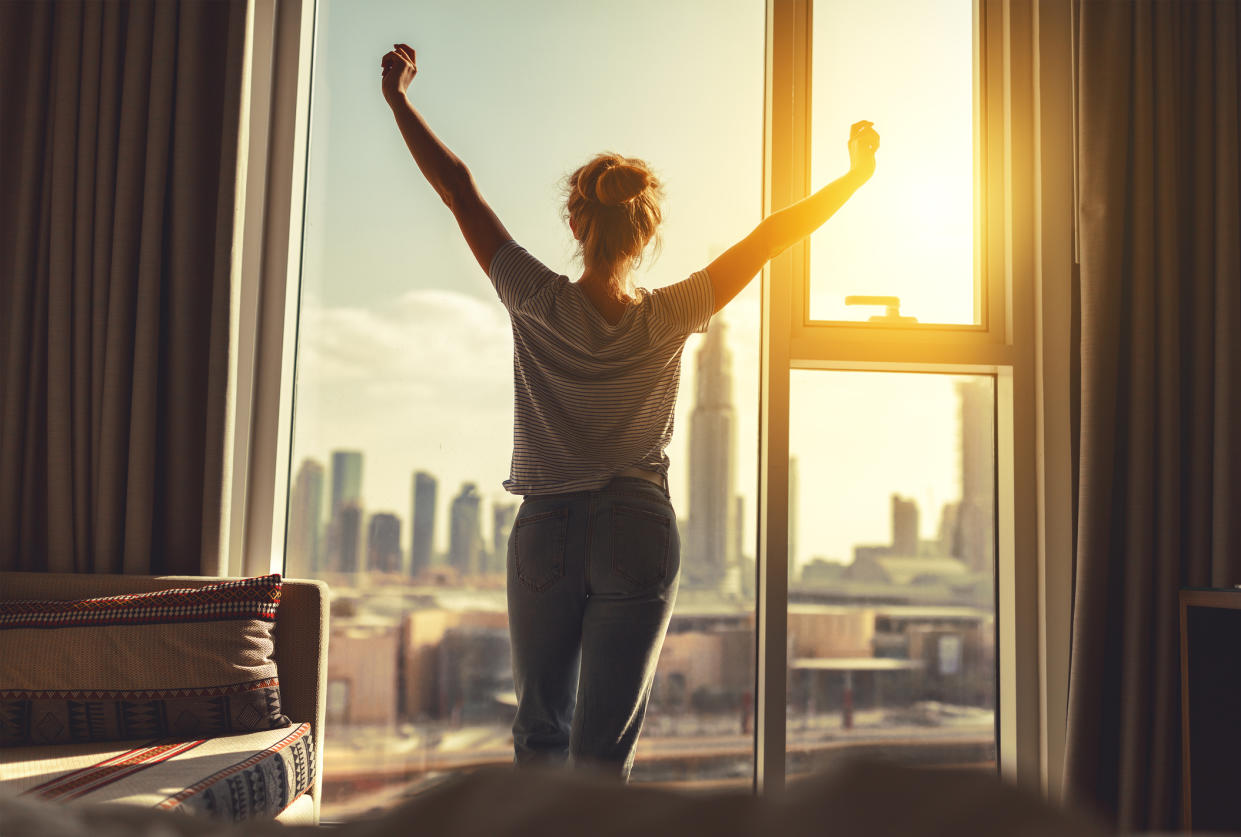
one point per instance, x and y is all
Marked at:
(233, 776)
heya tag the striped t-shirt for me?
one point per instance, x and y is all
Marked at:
(591, 398)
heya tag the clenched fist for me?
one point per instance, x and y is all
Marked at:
(863, 143)
(398, 69)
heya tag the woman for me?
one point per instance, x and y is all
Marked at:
(594, 556)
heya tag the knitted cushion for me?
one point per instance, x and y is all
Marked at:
(184, 663)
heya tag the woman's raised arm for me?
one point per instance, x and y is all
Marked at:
(443, 170)
(735, 267)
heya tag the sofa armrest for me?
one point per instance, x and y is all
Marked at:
(301, 638)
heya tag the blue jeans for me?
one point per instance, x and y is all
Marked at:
(592, 578)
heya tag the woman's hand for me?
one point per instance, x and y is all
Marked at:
(398, 69)
(863, 143)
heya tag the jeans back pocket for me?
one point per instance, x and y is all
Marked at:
(640, 545)
(538, 548)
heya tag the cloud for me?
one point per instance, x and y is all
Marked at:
(421, 382)
(427, 345)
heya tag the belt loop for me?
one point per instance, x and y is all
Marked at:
(663, 478)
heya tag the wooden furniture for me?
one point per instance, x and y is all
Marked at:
(1211, 709)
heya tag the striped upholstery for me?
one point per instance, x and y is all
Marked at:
(233, 777)
(184, 663)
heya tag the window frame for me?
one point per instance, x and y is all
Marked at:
(1022, 133)
(1024, 342)
(271, 181)
(864, 340)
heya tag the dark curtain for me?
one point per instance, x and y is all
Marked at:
(118, 145)
(1159, 501)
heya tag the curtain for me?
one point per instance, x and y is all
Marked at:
(118, 147)
(1159, 499)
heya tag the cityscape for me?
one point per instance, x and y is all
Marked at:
(892, 653)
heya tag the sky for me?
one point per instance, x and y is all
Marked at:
(906, 65)
(404, 352)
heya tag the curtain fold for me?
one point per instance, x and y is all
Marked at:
(1159, 486)
(117, 179)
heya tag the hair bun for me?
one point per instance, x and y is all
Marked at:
(621, 184)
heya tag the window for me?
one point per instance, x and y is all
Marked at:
(851, 633)
(908, 67)
(891, 607)
(403, 410)
(1019, 267)
(903, 461)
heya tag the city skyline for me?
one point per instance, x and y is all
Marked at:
(714, 555)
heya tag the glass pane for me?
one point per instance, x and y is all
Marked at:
(891, 609)
(907, 66)
(404, 399)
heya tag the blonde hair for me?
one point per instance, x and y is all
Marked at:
(613, 207)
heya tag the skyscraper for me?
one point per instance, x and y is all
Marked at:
(383, 543)
(793, 501)
(739, 533)
(904, 527)
(711, 560)
(502, 517)
(345, 537)
(975, 539)
(303, 558)
(465, 540)
(422, 536)
(346, 478)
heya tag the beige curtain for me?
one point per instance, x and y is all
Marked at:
(118, 146)
(1160, 435)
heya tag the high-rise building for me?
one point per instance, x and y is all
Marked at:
(383, 543)
(711, 560)
(346, 478)
(793, 501)
(345, 539)
(502, 517)
(739, 541)
(303, 558)
(422, 535)
(465, 540)
(904, 527)
(948, 528)
(975, 538)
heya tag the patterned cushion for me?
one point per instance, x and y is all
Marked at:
(232, 777)
(184, 663)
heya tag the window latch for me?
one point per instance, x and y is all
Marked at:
(892, 304)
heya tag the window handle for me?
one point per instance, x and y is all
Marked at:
(892, 303)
